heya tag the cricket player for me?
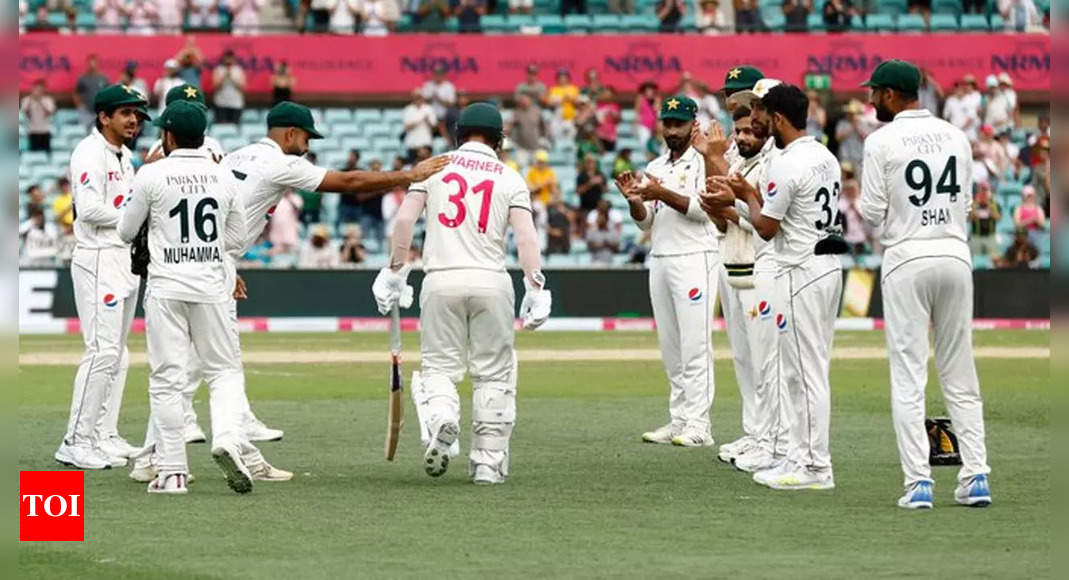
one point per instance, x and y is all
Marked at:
(186, 92)
(684, 265)
(467, 300)
(105, 291)
(917, 187)
(740, 78)
(796, 197)
(748, 297)
(194, 219)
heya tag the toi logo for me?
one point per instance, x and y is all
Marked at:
(51, 506)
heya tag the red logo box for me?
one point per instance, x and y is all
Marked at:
(51, 506)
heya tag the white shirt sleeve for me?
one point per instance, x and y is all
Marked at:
(778, 190)
(873, 202)
(234, 234)
(136, 207)
(520, 197)
(90, 178)
(298, 173)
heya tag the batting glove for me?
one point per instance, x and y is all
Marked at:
(391, 288)
(537, 302)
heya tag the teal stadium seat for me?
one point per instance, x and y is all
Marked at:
(880, 23)
(981, 262)
(366, 115)
(520, 21)
(578, 23)
(550, 23)
(639, 23)
(944, 23)
(606, 23)
(974, 23)
(773, 18)
(997, 23)
(947, 7)
(815, 22)
(911, 23)
(496, 24)
(332, 116)
(892, 7)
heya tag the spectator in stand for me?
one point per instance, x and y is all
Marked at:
(506, 157)
(531, 86)
(748, 16)
(165, 83)
(586, 143)
(317, 252)
(816, 117)
(602, 239)
(63, 202)
(109, 15)
(420, 123)
(961, 111)
(1021, 253)
(670, 13)
(983, 222)
(930, 93)
(593, 85)
(622, 164)
(647, 106)
(1020, 15)
(320, 11)
(586, 117)
(204, 14)
(973, 93)
(24, 10)
(39, 109)
(1018, 173)
(142, 16)
(998, 106)
(1041, 170)
(170, 14)
(391, 202)
(608, 117)
(520, 6)
(528, 130)
(797, 14)
(129, 77)
(655, 146)
(285, 224)
(228, 78)
(975, 6)
(36, 195)
(39, 240)
(569, 6)
(562, 97)
(1005, 84)
(560, 222)
(352, 249)
(924, 8)
(710, 20)
(621, 6)
(452, 115)
(379, 17)
(981, 171)
(857, 232)
(439, 91)
(282, 83)
(65, 245)
(993, 153)
(541, 179)
(371, 217)
(1013, 151)
(590, 186)
(190, 62)
(1030, 216)
(349, 206)
(246, 16)
(430, 15)
(615, 217)
(469, 15)
(85, 90)
(851, 131)
(838, 15)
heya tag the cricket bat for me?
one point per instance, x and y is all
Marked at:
(396, 412)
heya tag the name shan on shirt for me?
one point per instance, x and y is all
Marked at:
(191, 254)
(192, 184)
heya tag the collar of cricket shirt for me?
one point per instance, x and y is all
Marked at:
(798, 141)
(189, 153)
(117, 150)
(687, 155)
(480, 148)
(913, 114)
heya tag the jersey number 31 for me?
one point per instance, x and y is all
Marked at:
(457, 199)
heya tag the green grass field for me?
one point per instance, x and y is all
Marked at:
(585, 498)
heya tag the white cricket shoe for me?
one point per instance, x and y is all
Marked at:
(267, 472)
(486, 475)
(145, 471)
(116, 446)
(693, 437)
(917, 497)
(663, 434)
(973, 492)
(778, 467)
(81, 457)
(170, 484)
(755, 459)
(113, 460)
(255, 430)
(237, 475)
(800, 478)
(192, 433)
(436, 458)
(729, 451)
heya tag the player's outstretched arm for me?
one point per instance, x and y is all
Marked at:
(407, 216)
(377, 181)
(136, 212)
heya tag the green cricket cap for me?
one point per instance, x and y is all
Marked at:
(480, 116)
(184, 92)
(288, 114)
(116, 96)
(679, 107)
(186, 118)
(741, 78)
(895, 74)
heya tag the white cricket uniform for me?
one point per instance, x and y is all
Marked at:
(684, 264)
(748, 313)
(917, 185)
(467, 303)
(194, 220)
(105, 290)
(800, 188)
(211, 146)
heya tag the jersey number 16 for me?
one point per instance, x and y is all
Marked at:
(203, 217)
(457, 199)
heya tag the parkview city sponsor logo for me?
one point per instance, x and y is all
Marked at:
(51, 506)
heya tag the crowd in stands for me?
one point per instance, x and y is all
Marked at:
(382, 17)
(569, 138)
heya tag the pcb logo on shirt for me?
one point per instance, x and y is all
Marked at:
(781, 322)
(51, 506)
(695, 294)
(110, 300)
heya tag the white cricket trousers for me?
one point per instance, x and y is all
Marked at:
(750, 317)
(467, 325)
(938, 291)
(683, 292)
(810, 296)
(105, 295)
(173, 327)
